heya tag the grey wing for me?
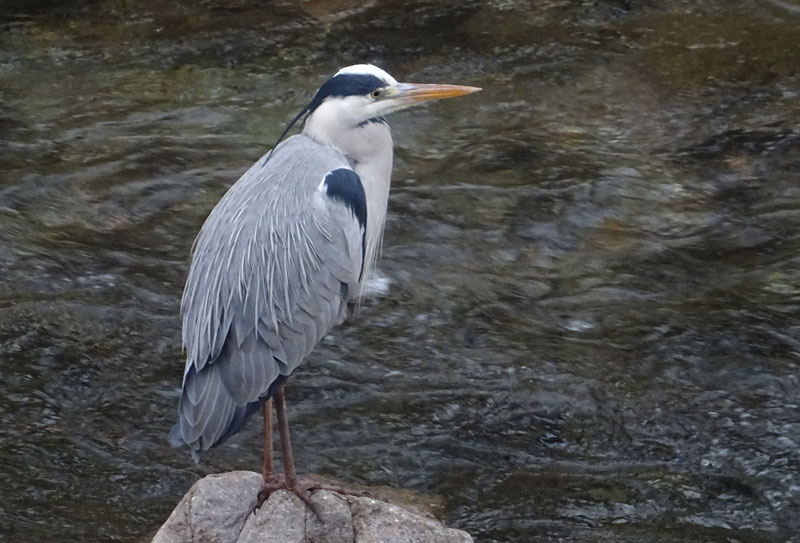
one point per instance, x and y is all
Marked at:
(261, 293)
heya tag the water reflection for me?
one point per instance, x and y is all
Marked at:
(589, 332)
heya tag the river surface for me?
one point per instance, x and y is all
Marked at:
(587, 328)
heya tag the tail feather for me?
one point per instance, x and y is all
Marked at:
(212, 435)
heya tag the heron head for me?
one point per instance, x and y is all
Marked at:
(363, 92)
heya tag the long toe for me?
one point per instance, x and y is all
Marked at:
(273, 483)
(303, 488)
(304, 493)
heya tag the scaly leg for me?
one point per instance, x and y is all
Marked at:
(289, 478)
(267, 466)
(289, 481)
(289, 472)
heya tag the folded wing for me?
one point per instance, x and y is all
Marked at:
(272, 270)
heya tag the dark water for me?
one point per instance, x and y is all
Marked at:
(590, 331)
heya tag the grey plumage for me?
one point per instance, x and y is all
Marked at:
(272, 269)
(279, 256)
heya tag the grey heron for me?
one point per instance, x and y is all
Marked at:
(280, 256)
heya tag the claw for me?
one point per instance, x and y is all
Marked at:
(304, 494)
(303, 488)
(271, 484)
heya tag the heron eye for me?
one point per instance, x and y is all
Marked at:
(376, 93)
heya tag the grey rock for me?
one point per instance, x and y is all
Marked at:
(219, 509)
(375, 520)
(281, 519)
(335, 524)
(213, 511)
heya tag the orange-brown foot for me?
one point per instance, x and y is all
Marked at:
(302, 488)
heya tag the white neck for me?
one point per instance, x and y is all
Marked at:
(369, 146)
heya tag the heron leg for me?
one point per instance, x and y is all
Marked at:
(267, 466)
(289, 479)
(300, 486)
(289, 473)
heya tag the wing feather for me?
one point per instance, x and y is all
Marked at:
(269, 277)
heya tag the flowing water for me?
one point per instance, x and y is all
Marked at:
(588, 324)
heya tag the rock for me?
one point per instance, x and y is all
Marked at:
(375, 520)
(213, 511)
(219, 509)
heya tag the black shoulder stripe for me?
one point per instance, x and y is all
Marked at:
(345, 186)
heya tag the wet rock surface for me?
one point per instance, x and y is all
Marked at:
(219, 509)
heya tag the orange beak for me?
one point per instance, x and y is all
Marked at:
(421, 92)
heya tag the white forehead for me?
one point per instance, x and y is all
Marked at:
(368, 69)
